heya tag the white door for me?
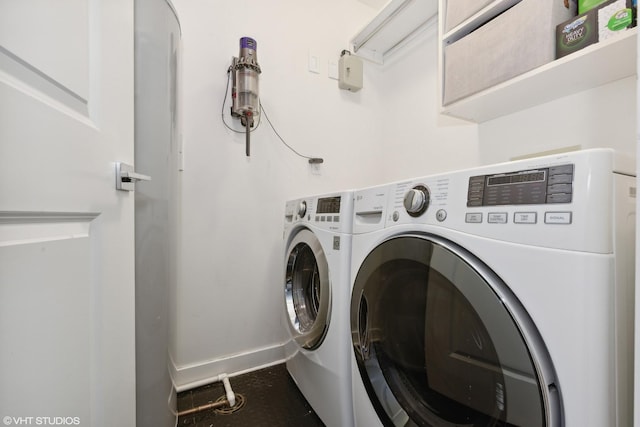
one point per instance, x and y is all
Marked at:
(67, 353)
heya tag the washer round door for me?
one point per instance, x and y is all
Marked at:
(441, 341)
(307, 290)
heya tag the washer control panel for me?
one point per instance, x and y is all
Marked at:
(330, 212)
(562, 201)
(322, 209)
(525, 187)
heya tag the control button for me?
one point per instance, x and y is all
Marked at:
(441, 215)
(559, 198)
(323, 219)
(560, 179)
(474, 218)
(476, 181)
(564, 169)
(559, 188)
(497, 218)
(557, 217)
(317, 218)
(416, 200)
(336, 218)
(395, 216)
(525, 217)
(302, 208)
(329, 219)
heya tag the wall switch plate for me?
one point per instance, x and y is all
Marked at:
(314, 63)
(333, 69)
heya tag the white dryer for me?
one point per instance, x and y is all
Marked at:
(499, 296)
(317, 290)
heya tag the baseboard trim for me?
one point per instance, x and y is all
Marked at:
(194, 375)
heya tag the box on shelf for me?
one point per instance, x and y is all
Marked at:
(577, 33)
(587, 5)
(606, 20)
(457, 11)
(520, 39)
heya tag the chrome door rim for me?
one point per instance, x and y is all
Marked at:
(541, 360)
(307, 336)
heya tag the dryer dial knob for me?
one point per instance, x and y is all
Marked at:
(416, 200)
(302, 209)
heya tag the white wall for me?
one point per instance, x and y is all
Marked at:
(414, 141)
(601, 117)
(229, 297)
(228, 314)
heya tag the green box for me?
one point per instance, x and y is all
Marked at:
(587, 5)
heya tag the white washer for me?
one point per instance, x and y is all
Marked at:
(501, 296)
(317, 238)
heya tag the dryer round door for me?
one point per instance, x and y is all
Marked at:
(441, 341)
(307, 290)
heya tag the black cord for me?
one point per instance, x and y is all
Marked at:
(312, 160)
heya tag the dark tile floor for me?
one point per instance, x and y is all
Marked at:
(269, 398)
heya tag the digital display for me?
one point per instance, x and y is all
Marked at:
(517, 178)
(328, 205)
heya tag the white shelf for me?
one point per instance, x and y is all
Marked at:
(593, 66)
(396, 24)
(476, 20)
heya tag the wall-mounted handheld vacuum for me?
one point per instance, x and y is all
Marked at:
(245, 71)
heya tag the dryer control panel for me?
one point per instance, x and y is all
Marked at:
(525, 187)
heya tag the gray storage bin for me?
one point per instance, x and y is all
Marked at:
(457, 11)
(519, 40)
